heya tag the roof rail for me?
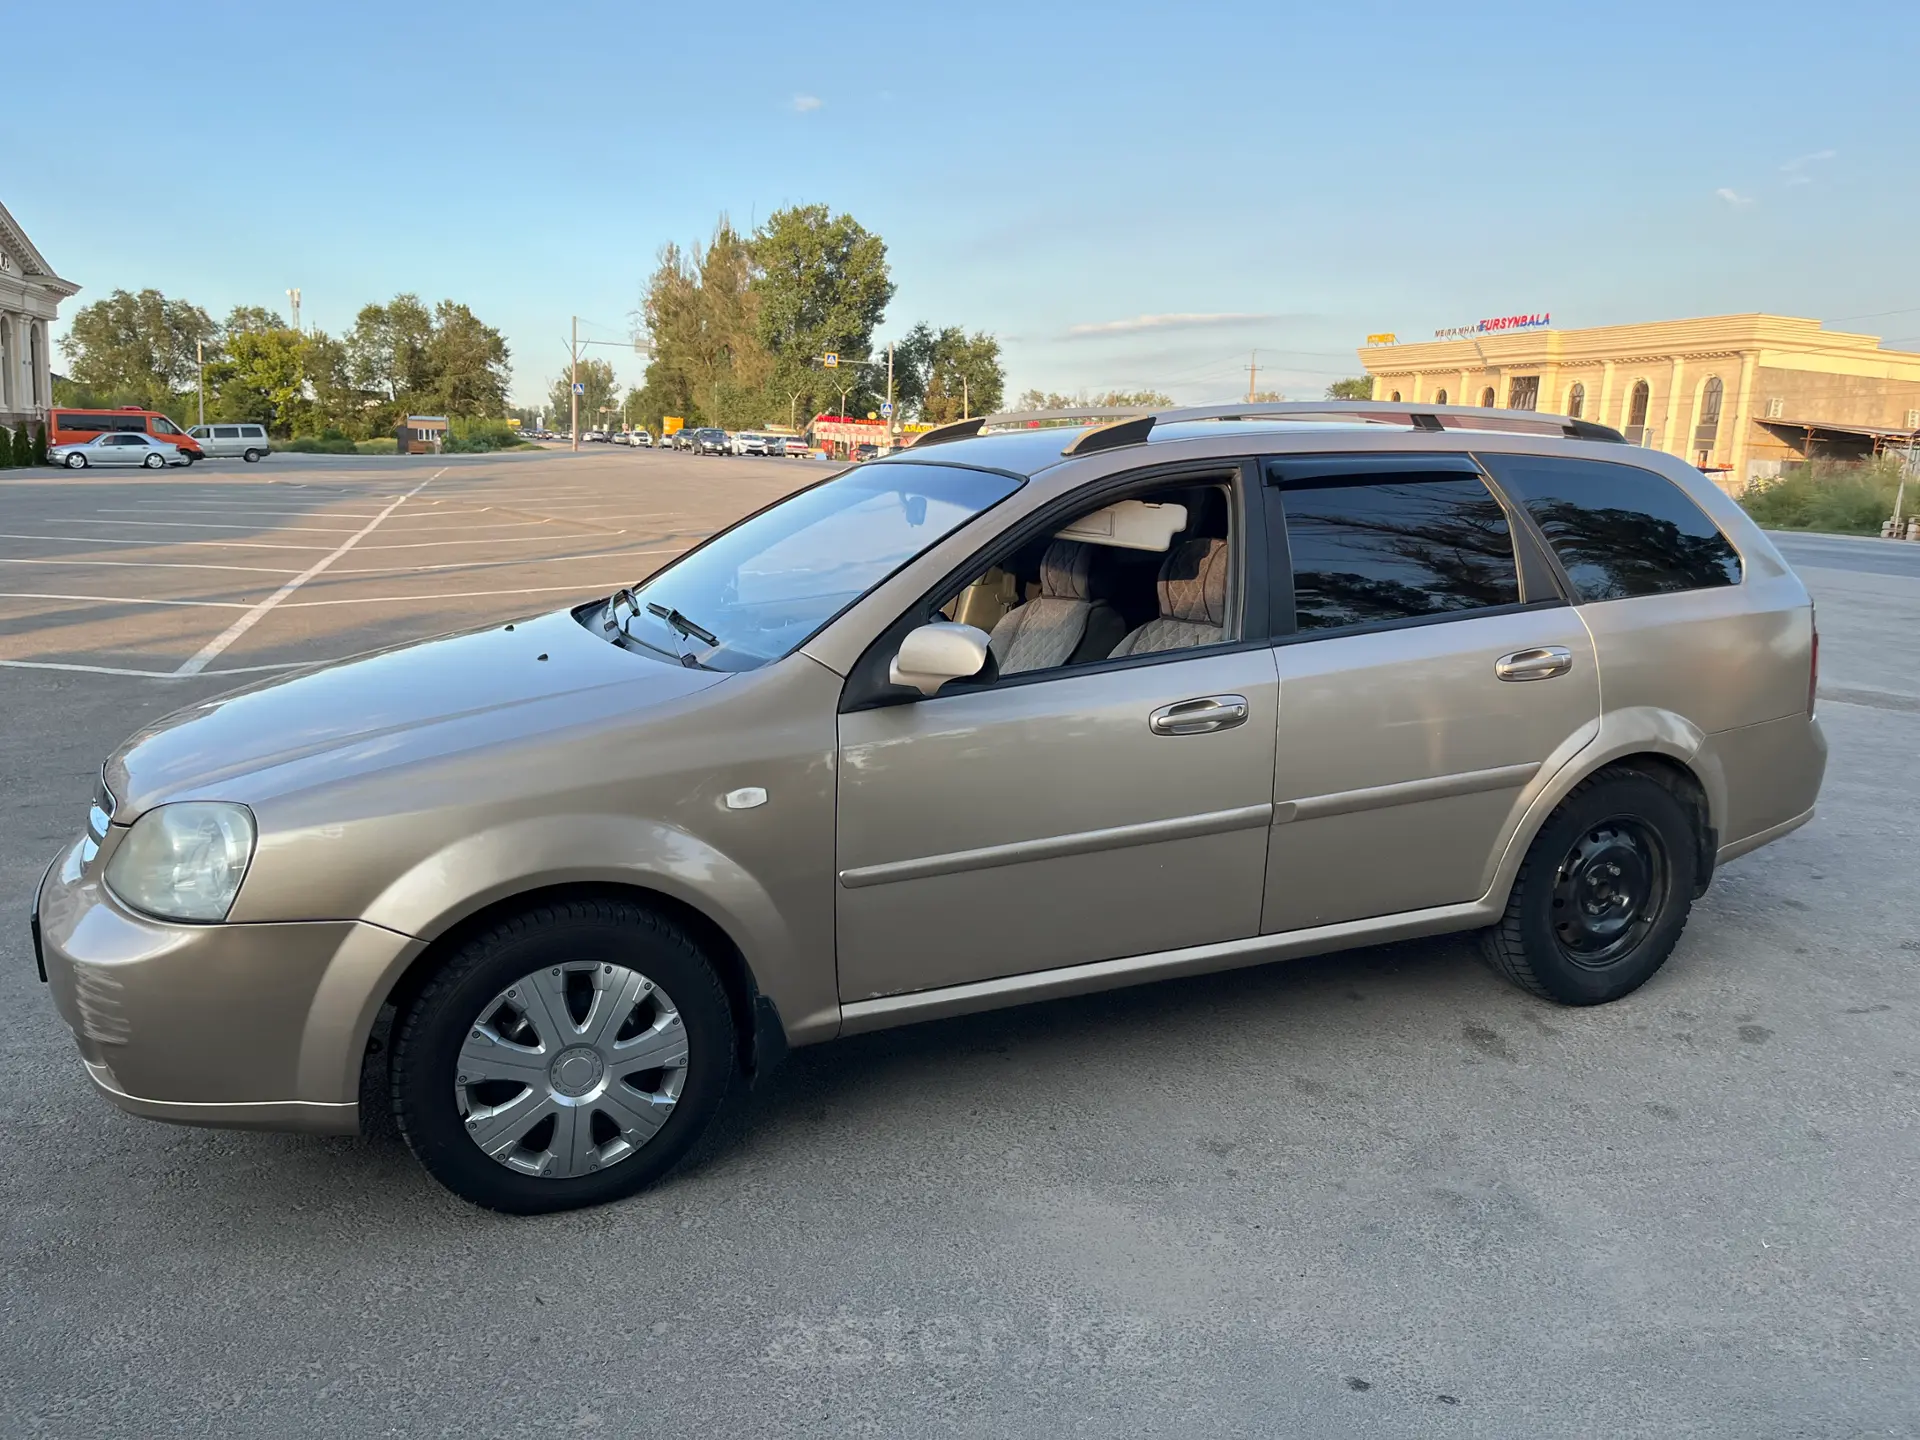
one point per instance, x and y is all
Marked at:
(1133, 425)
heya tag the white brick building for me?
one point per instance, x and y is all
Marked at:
(30, 296)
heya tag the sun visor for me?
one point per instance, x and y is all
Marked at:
(1129, 525)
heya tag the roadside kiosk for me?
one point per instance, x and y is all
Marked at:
(420, 435)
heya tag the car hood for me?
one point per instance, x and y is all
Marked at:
(458, 692)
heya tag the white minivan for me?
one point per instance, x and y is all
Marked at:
(247, 441)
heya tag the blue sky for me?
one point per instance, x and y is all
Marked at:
(1128, 195)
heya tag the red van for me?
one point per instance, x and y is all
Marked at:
(76, 427)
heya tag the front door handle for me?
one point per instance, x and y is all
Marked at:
(1199, 717)
(1542, 663)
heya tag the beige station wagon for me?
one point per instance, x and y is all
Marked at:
(1023, 711)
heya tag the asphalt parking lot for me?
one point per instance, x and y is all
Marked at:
(1378, 1193)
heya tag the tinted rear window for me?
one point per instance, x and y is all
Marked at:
(1619, 530)
(1368, 553)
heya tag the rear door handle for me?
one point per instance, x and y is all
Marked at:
(1542, 663)
(1200, 716)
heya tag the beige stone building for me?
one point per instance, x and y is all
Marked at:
(30, 296)
(1735, 394)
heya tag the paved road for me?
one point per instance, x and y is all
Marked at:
(1860, 554)
(1374, 1194)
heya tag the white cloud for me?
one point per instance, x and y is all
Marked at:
(1732, 196)
(803, 103)
(1801, 162)
(1162, 322)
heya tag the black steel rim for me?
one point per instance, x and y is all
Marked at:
(1608, 892)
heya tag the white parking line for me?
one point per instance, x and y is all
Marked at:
(119, 600)
(150, 674)
(139, 564)
(211, 650)
(315, 529)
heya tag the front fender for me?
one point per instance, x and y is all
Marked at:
(427, 900)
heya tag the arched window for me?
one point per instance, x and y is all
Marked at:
(1637, 412)
(1439, 397)
(1707, 428)
(6, 363)
(1486, 398)
(1576, 401)
(36, 337)
(1394, 396)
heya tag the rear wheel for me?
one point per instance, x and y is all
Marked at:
(251, 456)
(566, 1057)
(155, 462)
(1603, 894)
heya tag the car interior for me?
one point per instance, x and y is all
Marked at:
(1138, 576)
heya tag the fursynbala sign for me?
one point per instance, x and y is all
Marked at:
(1504, 322)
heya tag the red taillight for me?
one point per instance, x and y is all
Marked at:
(1813, 670)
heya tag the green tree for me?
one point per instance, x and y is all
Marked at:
(263, 377)
(39, 444)
(387, 349)
(22, 446)
(1106, 400)
(466, 360)
(6, 448)
(139, 348)
(599, 391)
(251, 319)
(941, 376)
(1360, 387)
(823, 286)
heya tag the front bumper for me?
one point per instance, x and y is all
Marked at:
(258, 1026)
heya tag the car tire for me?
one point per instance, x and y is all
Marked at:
(187, 458)
(571, 944)
(76, 462)
(1603, 893)
(252, 457)
(155, 462)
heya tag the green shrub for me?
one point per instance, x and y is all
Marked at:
(336, 444)
(40, 444)
(474, 437)
(22, 447)
(376, 447)
(1846, 498)
(6, 448)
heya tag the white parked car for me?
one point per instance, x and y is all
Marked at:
(247, 441)
(118, 447)
(746, 442)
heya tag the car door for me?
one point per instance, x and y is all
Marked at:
(119, 449)
(1059, 817)
(1432, 676)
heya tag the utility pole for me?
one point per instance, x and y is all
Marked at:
(966, 402)
(200, 354)
(573, 386)
(1253, 374)
(892, 429)
(294, 296)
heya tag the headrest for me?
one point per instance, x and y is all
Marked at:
(1193, 582)
(1064, 570)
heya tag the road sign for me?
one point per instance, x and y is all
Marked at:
(579, 387)
(886, 409)
(830, 360)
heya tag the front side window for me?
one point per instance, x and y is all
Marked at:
(763, 588)
(1619, 530)
(1373, 551)
(164, 426)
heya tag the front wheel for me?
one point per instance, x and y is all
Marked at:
(76, 462)
(1603, 894)
(566, 1057)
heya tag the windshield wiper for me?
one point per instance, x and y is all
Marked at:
(681, 623)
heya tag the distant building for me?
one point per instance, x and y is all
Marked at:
(421, 435)
(30, 296)
(1736, 395)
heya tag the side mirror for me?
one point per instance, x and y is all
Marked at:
(934, 654)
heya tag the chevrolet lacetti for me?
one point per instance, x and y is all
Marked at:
(1027, 710)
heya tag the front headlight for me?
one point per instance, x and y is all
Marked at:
(185, 861)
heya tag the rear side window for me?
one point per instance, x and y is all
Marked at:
(252, 432)
(1374, 552)
(1619, 530)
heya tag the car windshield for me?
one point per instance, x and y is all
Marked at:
(764, 587)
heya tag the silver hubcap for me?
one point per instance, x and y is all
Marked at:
(571, 1069)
